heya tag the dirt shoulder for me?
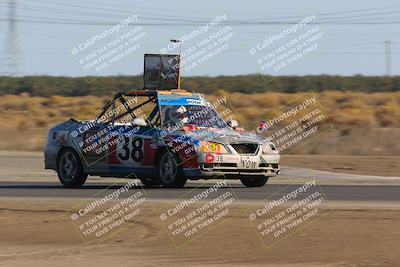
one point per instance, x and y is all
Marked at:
(38, 232)
(368, 165)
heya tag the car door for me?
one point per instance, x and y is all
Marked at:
(131, 151)
(94, 149)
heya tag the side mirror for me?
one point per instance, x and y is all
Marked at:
(139, 122)
(233, 123)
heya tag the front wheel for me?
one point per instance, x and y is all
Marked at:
(170, 171)
(70, 170)
(257, 181)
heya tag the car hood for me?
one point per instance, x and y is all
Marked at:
(223, 136)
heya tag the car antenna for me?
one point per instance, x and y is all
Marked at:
(179, 61)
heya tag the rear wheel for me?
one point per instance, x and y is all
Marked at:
(257, 181)
(169, 171)
(70, 170)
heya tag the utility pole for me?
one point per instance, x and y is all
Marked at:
(388, 60)
(179, 61)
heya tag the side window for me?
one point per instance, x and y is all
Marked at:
(141, 108)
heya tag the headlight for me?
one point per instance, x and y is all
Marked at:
(213, 147)
(267, 148)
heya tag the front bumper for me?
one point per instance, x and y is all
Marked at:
(229, 167)
(229, 173)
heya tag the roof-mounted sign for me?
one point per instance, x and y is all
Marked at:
(161, 72)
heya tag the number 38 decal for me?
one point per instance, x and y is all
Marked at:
(131, 148)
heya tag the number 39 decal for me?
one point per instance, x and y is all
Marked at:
(131, 148)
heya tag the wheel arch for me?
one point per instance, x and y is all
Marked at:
(158, 154)
(160, 151)
(64, 148)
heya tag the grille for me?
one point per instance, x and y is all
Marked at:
(248, 148)
(231, 165)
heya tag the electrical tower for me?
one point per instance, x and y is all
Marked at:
(11, 39)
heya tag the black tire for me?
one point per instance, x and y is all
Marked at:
(169, 170)
(150, 181)
(69, 169)
(256, 181)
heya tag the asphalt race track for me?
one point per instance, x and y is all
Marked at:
(333, 192)
(22, 176)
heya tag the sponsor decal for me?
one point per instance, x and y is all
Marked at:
(191, 101)
(209, 158)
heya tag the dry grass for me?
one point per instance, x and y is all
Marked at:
(27, 118)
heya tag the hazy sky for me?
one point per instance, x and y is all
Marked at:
(352, 40)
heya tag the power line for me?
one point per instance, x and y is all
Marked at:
(52, 21)
(190, 21)
(80, 6)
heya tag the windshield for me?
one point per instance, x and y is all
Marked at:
(182, 115)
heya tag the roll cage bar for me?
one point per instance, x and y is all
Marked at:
(120, 96)
(152, 97)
